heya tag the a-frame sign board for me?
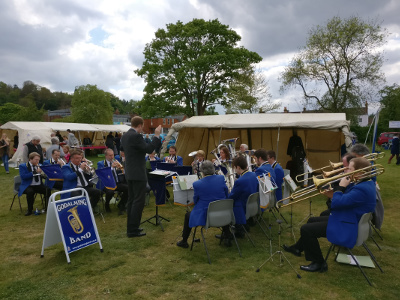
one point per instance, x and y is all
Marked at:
(71, 222)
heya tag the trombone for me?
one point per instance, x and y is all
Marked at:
(320, 185)
(371, 157)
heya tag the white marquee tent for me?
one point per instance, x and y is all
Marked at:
(26, 130)
(323, 134)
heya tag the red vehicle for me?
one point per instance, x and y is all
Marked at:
(385, 137)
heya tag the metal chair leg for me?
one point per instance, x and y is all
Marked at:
(358, 265)
(205, 246)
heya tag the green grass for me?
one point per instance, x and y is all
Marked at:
(154, 267)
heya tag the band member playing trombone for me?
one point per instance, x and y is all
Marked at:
(117, 171)
(54, 160)
(354, 196)
(76, 175)
(31, 182)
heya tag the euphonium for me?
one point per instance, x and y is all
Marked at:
(74, 220)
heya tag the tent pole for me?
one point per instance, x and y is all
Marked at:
(220, 134)
(277, 144)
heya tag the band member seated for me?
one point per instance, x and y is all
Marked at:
(122, 187)
(352, 198)
(245, 185)
(198, 160)
(224, 156)
(173, 158)
(243, 148)
(345, 159)
(76, 175)
(279, 174)
(31, 181)
(263, 166)
(210, 188)
(54, 160)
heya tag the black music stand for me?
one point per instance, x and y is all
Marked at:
(157, 185)
(279, 251)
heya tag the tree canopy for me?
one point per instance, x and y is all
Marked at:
(250, 93)
(391, 105)
(91, 105)
(189, 62)
(340, 66)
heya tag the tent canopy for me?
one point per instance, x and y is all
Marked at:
(322, 134)
(26, 130)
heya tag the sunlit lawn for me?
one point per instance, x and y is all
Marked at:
(154, 267)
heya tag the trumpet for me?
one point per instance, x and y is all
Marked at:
(371, 157)
(321, 185)
(119, 165)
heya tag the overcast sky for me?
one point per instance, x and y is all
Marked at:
(61, 44)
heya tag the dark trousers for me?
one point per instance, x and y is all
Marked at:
(30, 192)
(121, 188)
(58, 185)
(135, 205)
(309, 234)
(186, 229)
(94, 195)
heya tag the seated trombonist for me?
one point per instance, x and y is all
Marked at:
(118, 173)
(76, 174)
(31, 181)
(54, 160)
(173, 158)
(210, 188)
(353, 197)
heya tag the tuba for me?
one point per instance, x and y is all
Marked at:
(74, 220)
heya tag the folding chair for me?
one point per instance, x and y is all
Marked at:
(219, 214)
(17, 183)
(363, 235)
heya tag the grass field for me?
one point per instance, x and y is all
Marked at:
(154, 267)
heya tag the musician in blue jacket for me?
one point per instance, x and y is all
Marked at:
(353, 197)
(279, 174)
(210, 188)
(263, 166)
(75, 176)
(31, 182)
(173, 158)
(54, 160)
(244, 186)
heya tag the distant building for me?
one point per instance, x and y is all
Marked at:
(57, 114)
(165, 122)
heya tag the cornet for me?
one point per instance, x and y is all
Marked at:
(119, 165)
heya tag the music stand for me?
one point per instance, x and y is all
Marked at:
(279, 251)
(157, 185)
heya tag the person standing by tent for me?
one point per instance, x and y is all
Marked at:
(16, 140)
(5, 148)
(135, 149)
(110, 142)
(395, 149)
(72, 140)
(32, 146)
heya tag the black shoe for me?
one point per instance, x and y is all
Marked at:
(182, 244)
(218, 236)
(291, 249)
(28, 213)
(315, 267)
(137, 234)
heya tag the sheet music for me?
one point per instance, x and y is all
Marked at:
(186, 181)
(290, 182)
(160, 172)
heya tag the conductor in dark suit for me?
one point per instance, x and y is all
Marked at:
(135, 149)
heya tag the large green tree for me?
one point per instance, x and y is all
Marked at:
(184, 62)
(339, 64)
(250, 93)
(390, 105)
(91, 105)
(15, 112)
